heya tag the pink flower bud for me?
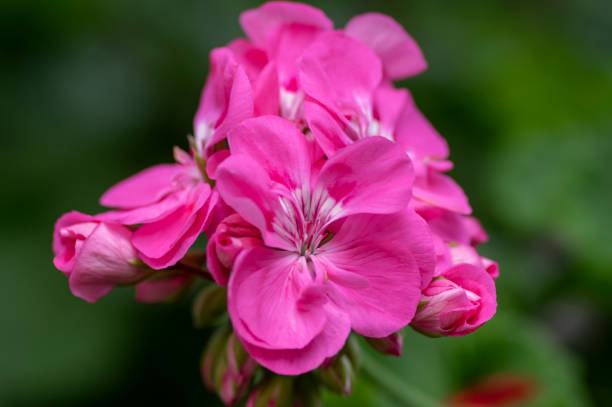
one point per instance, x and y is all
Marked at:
(227, 368)
(94, 255)
(233, 235)
(457, 302)
(390, 345)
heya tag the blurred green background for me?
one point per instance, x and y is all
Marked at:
(93, 91)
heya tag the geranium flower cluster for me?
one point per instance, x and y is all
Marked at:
(322, 192)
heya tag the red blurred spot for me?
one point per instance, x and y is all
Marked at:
(499, 390)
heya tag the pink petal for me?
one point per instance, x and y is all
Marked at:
(327, 129)
(382, 250)
(64, 247)
(286, 46)
(400, 54)
(250, 57)
(389, 104)
(247, 188)
(478, 281)
(148, 213)
(104, 259)
(266, 92)
(277, 146)
(297, 361)
(156, 239)
(440, 190)
(372, 175)
(416, 134)
(143, 188)
(340, 72)
(273, 301)
(260, 22)
(226, 100)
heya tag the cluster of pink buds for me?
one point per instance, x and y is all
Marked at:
(323, 195)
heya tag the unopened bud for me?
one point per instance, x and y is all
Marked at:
(338, 376)
(240, 369)
(274, 391)
(209, 305)
(390, 345)
(214, 359)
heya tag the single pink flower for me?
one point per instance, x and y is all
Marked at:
(457, 302)
(341, 248)
(232, 236)
(94, 255)
(171, 202)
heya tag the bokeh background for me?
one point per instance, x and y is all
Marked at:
(93, 91)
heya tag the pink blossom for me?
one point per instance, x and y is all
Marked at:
(348, 100)
(341, 248)
(233, 235)
(457, 302)
(173, 204)
(94, 255)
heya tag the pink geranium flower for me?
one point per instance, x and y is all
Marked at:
(94, 255)
(341, 249)
(172, 203)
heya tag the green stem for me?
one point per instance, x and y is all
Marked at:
(385, 379)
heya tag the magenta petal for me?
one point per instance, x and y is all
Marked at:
(383, 250)
(147, 213)
(227, 99)
(400, 54)
(260, 22)
(143, 188)
(287, 45)
(277, 146)
(266, 92)
(297, 361)
(246, 188)
(417, 135)
(250, 57)
(273, 300)
(327, 130)
(440, 190)
(340, 72)
(156, 239)
(65, 242)
(372, 175)
(478, 281)
(104, 259)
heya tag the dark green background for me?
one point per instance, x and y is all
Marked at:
(92, 91)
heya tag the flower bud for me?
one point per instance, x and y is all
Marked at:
(240, 369)
(275, 391)
(209, 305)
(456, 303)
(233, 235)
(338, 375)
(94, 255)
(226, 367)
(164, 286)
(390, 345)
